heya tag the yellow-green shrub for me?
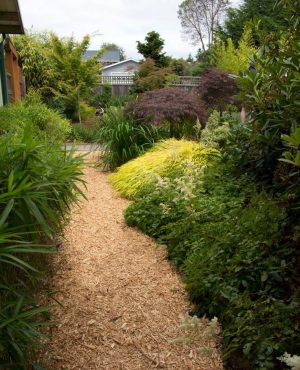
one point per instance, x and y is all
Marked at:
(87, 111)
(233, 59)
(166, 159)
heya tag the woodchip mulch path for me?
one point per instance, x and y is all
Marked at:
(121, 299)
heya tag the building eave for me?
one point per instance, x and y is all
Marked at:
(10, 17)
(118, 63)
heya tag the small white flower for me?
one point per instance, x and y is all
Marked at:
(292, 361)
(161, 182)
(165, 208)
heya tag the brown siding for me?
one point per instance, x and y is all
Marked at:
(14, 73)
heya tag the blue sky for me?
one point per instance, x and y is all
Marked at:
(120, 21)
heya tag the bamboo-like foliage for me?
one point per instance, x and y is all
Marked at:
(38, 182)
(20, 316)
(56, 68)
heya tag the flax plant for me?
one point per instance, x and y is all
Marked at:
(38, 183)
(123, 139)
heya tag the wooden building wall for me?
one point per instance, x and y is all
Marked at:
(15, 78)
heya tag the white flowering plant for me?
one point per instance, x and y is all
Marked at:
(202, 332)
(292, 361)
(216, 131)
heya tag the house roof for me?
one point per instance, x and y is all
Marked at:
(107, 56)
(10, 17)
(123, 61)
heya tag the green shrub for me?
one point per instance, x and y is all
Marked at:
(166, 199)
(174, 200)
(105, 96)
(105, 99)
(122, 101)
(32, 163)
(151, 77)
(122, 138)
(272, 95)
(239, 269)
(83, 134)
(292, 142)
(45, 122)
(216, 131)
(234, 231)
(230, 243)
(231, 59)
(38, 182)
(166, 159)
(21, 320)
(87, 111)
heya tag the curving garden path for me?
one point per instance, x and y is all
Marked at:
(122, 300)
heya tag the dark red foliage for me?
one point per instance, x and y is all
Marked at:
(217, 89)
(172, 105)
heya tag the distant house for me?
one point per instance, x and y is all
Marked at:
(121, 72)
(12, 83)
(126, 67)
(107, 58)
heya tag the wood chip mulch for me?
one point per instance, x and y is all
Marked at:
(122, 301)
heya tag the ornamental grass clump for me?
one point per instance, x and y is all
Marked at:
(122, 139)
(167, 159)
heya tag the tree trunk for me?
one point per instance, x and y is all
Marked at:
(78, 107)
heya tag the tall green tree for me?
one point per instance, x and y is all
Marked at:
(152, 48)
(151, 77)
(76, 77)
(190, 58)
(273, 18)
(55, 68)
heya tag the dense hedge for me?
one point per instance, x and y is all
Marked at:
(229, 240)
(233, 230)
(236, 245)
